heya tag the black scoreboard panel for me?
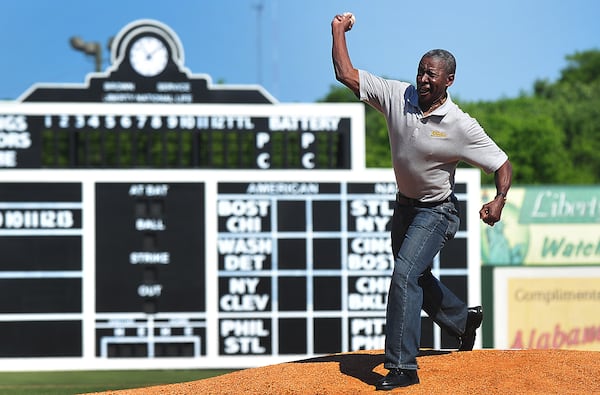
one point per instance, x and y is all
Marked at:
(193, 136)
(41, 269)
(150, 269)
(154, 140)
(304, 267)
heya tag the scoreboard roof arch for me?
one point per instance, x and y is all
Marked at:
(141, 27)
(168, 83)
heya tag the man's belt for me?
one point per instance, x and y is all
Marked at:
(405, 201)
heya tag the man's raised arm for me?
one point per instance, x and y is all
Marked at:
(344, 71)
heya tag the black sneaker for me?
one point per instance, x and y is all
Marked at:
(474, 318)
(397, 378)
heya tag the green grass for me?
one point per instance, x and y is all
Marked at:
(78, 382)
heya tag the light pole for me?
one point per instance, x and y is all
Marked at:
(259, 9)
(92, 48)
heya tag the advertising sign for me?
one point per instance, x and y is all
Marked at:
(545, 225)
(552, 308)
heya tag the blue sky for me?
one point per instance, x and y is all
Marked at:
(501, 47)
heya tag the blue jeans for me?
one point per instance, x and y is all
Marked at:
(418, 234)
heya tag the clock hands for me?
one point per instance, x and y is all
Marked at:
(155, 47)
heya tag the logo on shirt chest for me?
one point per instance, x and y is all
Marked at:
(438, 134)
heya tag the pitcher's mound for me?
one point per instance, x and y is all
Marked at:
(513, 372)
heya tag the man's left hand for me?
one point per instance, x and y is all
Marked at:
(491, 212)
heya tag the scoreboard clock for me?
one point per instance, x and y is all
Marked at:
(148, 55)
(146, 47)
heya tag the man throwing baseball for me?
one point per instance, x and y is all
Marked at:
(428, 135)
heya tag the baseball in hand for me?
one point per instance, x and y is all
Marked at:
(352, 18)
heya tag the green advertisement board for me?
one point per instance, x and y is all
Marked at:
(544, 225)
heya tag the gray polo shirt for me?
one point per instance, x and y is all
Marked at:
(426, 150)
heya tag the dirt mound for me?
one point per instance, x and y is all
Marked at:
(476, 372)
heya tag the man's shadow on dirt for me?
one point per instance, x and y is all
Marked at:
(360, 365)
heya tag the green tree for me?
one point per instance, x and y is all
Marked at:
(532, 139)
(582, 67)
(575, 98)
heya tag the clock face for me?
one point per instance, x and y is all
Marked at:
(148, 56)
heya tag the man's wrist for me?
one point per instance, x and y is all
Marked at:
(501, 195)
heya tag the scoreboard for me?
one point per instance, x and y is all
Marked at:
(150, 218)
(192, 269)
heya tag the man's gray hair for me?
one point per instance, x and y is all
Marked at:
(445, 56)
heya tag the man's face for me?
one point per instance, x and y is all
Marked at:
(432, 81)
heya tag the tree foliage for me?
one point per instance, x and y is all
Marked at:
(551, 135)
